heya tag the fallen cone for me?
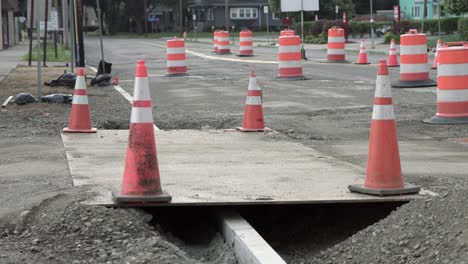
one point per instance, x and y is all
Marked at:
(253, 115)
(439, 45)
(383, 175)
(141, 181)
(80, 117)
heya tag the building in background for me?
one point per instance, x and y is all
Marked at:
(413, 9)
(9, 24)
(242, 14)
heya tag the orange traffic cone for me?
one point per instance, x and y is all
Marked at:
(439, 44)
(141, 182)
(392, 56)
(383, 175)
(80, 118)
(253, 115)
(362, 59)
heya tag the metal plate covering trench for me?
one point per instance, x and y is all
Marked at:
(216, 167)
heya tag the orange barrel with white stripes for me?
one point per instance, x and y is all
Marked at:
(336, 45)
(245, 43)
(287, 32)
(289, 57)
(223, 42)
(414, 68)
(452, 84)
(176, 64)
(215, 40)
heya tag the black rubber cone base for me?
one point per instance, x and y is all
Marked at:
(243, 55)
(291, 78)
(414, 84)
(361, 63)
(343, 61)
(164, 197)
(408, 189)
(446, 121)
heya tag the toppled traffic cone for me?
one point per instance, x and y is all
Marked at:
(362, 59)
(439, 45)
(383, 175)
(80, 117)
(141, 181)
(392, 56)
(253, 115)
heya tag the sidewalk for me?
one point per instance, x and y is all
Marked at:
(11, 57)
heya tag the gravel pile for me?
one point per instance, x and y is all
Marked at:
(61, 230)
(431, 230)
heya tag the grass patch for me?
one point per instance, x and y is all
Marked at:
(446, 38)
(63, 54)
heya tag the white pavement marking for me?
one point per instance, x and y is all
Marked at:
(427, 192)
(214, 57)
(249, 247)
(124, 93)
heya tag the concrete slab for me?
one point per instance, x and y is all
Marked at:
(215, 167)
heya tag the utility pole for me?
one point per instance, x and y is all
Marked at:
(303, 53)
(424, 15)
(71, 17)
(65, 24)
(79, 27)
(226, 13)
(372, 24)
(31, 29)
(145, 14)
(46, 15)
(181, 20)
(100, 36)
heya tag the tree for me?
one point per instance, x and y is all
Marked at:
(327, 8)
(456, 7)
(275, 6)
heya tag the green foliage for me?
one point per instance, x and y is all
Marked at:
(431, 26)
(359, 28)
(389, 36)
(463, 29)
(275, 6)
(320, 39)
(456, 7)
(327, 8)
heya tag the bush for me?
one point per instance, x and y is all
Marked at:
(463, 29)
(315, 40)
(389, 36)
(359, 28)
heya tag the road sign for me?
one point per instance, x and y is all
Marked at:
(265, 9)
(194, 17)
(50, 26)
(396, 13)
(53, 21)
(299, 5)
(153, 18)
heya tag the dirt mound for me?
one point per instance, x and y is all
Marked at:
(431, 230)
(61, 230)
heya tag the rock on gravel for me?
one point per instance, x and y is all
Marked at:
(429, 230)
(61, 230)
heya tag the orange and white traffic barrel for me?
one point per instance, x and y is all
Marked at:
(287, 32)
(336, 45)
(215, 41)
(245, 43)
(414, 68)
(176, 64)
(223, 42)
(452, 84)
(289, 57)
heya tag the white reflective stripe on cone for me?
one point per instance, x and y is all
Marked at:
(253, 100)
(223, 39)
(176, 63)
(80, 99)
(141, 115)
(335, 51)
(413, 50)
(175, 50)
(392, 52)
(245, 39)
(413, 68)
(253, 86)
(383, 85)
(289, 64)
(141, 92)
(452, 95)
(245, 48)
(289, 49)
(383, 112)
(336, 39)
(452, 69)
(80, 83)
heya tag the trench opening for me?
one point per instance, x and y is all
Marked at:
(295, 232)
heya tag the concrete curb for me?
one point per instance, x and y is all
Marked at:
(249, 247)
